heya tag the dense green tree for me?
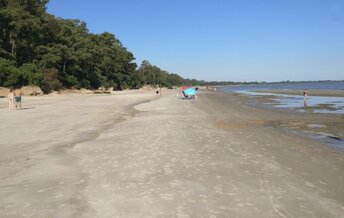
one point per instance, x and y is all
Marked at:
(153, 75)
(9, 73)
(20, 27)
(37, 48)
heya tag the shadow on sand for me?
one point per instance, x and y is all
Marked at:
(25, 108)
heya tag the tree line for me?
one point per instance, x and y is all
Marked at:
(37, 48)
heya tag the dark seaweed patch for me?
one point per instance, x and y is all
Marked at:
(336, 138)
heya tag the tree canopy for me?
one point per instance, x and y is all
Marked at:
(36, 48)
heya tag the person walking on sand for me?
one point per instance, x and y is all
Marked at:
(10, 97)
(18, 99)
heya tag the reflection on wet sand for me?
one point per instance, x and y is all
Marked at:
(316, 104)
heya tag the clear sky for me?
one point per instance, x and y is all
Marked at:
(231, 40)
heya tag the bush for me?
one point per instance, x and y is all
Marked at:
(9, 74)
(72, 81)
(50, 81)
(31, 75)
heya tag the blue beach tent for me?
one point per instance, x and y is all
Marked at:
(190, 91)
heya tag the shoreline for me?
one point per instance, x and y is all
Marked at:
(328, 93)
(326, 128)
(142, 154)
(325, 102)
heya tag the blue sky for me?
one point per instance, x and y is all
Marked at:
(231, 40)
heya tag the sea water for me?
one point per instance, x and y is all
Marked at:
(334, 105)
(318, 104)
(325, 85)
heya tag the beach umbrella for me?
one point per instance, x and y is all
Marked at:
(190, 91)
(184, 87)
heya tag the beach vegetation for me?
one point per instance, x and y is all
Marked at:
(37, 48)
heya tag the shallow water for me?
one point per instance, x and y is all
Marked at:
(324, 138)
(327, 85)
(316, 104)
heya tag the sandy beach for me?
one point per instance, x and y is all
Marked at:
(138, 154)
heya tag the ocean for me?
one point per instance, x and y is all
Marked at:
(314, 104)
(325, 85)
(296, 103)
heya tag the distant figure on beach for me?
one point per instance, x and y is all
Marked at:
(158, 91)
(305, 94)
(11, 100)
(18, 99)
(305, 98)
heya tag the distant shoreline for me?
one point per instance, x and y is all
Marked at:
(329, 93)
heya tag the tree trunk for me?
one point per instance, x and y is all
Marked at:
(64, 67)
(13, 45)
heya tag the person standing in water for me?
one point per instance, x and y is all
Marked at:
(305, 98)
(305, 94)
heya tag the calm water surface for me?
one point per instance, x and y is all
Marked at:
(333, 85)
(316, 104)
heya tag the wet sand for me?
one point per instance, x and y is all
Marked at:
(137, 154)
(329, 93)
(301, 119)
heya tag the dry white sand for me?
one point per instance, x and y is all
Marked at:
(136, 154)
